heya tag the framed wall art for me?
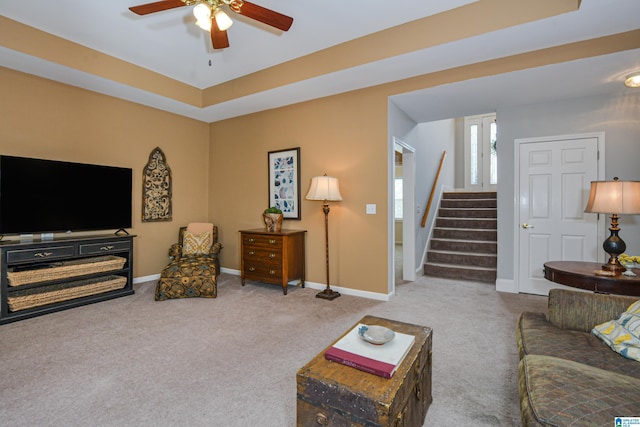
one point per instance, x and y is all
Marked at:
(156, 188)
(284, 181)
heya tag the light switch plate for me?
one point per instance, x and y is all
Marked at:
(371, 209)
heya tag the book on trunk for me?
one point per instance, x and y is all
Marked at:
(381, 360)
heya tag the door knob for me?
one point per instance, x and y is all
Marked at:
(525, 225)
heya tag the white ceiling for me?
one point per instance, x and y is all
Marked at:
(168, 43)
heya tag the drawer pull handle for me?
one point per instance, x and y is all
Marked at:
(252, 253)
(252, 269)
(272, 256)
(272, 241)
(251, 240)
(322, 419)
(42, 254)
(107, 248)
(272, 272)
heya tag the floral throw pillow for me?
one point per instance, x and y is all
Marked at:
(622, 334)
(196, 244)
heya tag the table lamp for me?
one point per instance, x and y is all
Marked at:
(325, 188)
(614, 197)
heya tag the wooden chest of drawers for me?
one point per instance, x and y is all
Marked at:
(272, 257)
(332, 394)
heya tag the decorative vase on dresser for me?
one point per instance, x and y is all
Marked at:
(272, 257)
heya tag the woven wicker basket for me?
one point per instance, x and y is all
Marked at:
(28, 298)
(67, 269)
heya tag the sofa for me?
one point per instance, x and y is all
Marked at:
(567, 375)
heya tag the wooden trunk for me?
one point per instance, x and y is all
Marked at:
(332, 394)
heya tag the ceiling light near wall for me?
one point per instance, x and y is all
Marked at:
(633, 80)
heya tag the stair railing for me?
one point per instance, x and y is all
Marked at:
(433, 190)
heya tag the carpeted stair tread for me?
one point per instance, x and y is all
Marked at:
(464, 245)
(458, 253)
(462, 258)
(463, 267)
(477, 274)
(467, 223)
(476, 234)
(470, 195)
(467, 213)
(465, 203)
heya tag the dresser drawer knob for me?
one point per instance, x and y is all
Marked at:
(252, 269)
(272, 256)
(252, 253)
(272, 272)
(322, 419)
(251, 240)
(106, 248)
(272, 241)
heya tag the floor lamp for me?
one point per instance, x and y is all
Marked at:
(614, 197)
(325, 188)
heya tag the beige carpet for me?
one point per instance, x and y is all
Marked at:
(232, 361)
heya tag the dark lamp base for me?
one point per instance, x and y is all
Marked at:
(328, 294)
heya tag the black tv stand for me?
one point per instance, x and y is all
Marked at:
(43, 276)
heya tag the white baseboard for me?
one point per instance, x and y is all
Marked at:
(348, 291)
(145, 278)
(321, 286)
(506, 285)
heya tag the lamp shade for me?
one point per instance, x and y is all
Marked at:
(614, 197)
(324, 188)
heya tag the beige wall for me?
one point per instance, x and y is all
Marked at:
(44, 119)
(336, 136)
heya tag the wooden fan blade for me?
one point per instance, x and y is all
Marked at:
(266, 16)
(158, 6)
(219, 38)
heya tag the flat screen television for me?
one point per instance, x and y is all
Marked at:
(48, 196)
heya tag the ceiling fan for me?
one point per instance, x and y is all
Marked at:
(210, 16)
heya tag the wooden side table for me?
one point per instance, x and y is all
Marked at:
(578, 274)
(272, 257)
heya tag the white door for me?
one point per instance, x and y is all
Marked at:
(481, 161)
(555, 175)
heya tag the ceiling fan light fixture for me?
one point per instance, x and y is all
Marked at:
(205, 25)
(222, 19)
(633, 80)
(202, 12)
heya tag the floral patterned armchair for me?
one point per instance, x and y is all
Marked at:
(194, 265)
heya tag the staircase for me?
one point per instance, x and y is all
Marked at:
(464, 241)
